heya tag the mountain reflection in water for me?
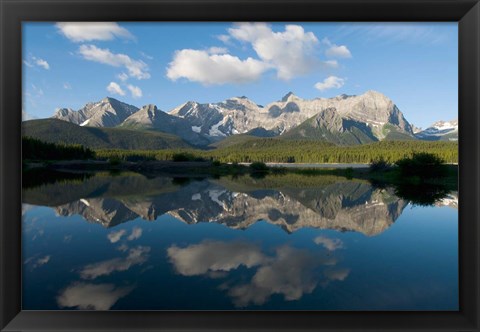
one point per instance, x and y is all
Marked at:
(290, 242)
(332, 203)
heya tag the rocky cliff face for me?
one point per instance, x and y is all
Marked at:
(149, 117)
(230, 117)
(108, 112)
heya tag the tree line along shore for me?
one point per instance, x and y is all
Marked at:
(260, 150)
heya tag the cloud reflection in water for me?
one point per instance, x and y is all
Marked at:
(290, 272)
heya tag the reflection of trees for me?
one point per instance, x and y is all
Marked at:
(422, 194)
(38, 177)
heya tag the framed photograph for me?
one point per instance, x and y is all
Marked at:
(240, 165)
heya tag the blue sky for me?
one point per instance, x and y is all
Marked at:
(167, 64)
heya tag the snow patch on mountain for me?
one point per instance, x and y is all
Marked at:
(214, 131)
(440, 130)
(84, 123)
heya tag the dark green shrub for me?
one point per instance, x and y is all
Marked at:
(136, 157)
(349, 172)
(422, 165)
(182, 157)
(379, 165)
(114, 161)
(259, 167)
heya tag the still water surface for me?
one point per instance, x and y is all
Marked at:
(128, 242)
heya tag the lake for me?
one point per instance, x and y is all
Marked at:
(126, 241)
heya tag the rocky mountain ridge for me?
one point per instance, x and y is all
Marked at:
(343, 120)
(108, 112)
(240, 114)
(149, 117)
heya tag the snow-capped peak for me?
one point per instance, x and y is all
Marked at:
(440, 130)
(444, 125)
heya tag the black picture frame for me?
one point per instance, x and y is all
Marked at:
(14, 12)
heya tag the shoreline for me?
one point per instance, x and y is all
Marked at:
(169, 165)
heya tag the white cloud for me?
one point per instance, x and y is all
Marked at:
(136, 256)
(136, 234)
(217, 50)
(115, 236)
(135, 91)
(224, 38)
(338, 51)
(27, 63)
(85, 296)
(200, 66)
(291, 52)
(328, 243)
(135, 68)
(42, 63)
(67, 86)
(330, 82)
(34, 61)
(335, 51)
(114, 88)
(88, 31)
(331, 64)
(122, 77)
(37, 91)
(146, 56)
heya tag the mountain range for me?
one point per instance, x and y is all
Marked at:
(343, 120)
